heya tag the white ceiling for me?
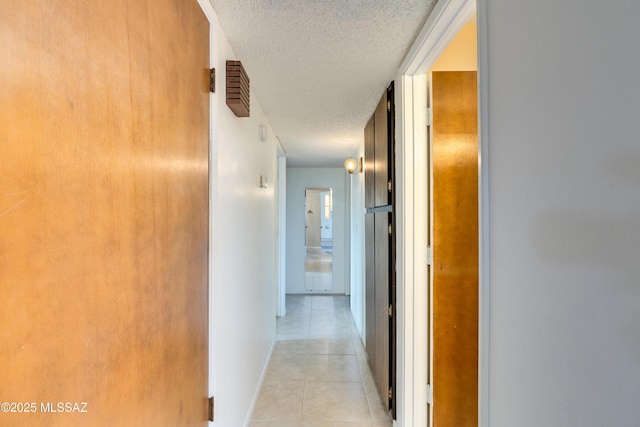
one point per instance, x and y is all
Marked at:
(319, 67)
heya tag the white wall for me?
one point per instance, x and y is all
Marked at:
(357, 279)
(564, 165)
(297, 180)
(281, 229)
(242, 295)
(461, 54)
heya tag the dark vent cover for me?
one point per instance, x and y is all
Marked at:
(238, 95)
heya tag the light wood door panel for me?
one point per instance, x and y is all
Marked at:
(104, 113)
(455, 249)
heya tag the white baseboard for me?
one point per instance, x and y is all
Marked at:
(256, 395)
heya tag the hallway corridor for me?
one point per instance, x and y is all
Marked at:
(318, 375)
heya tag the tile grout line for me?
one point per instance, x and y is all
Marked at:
(338, 343)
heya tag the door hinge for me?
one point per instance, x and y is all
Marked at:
(390, 311)
(390, 230)
(429, 394)
(388, 105)
(390, 393)
(389, 185)
(211, 408)
(429, 255)
(212, 80)
(429, 116)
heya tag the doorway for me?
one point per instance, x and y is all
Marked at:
(416, 299)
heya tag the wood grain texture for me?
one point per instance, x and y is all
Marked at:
(382, 321)
(455, 249)
(380, 249)
(369, 164)
(381, 153)
(238, 89)
(104, 113)
(370, 286)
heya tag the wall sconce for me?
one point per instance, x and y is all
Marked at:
(352, 165)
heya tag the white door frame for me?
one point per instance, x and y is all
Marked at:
(443, 24)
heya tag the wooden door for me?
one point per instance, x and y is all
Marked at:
(455, 249)
(370, 286)
(381, 178)
(369, 164)
(104, 113)
(382, 320)
(380, 247)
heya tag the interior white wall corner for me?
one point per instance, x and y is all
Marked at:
(243, 233)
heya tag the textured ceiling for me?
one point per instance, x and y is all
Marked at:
(319, 67)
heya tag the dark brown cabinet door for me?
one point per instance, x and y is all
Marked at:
(104, 124)
(455, 249)
(382, 148)
(370, 286)
(382, 319)
(380, 250)
(369, 164)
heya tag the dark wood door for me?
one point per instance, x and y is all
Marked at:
(104, 113)
(381, 178)
(455, 249)
(369, 164)
(382, 319)
(380, 250)
(370, 286)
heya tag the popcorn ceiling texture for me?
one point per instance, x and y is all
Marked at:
(319, 67)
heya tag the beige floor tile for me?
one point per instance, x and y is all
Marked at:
(335, 401)
(322, 302)
(376, 406)
(280, 400)
(277, 423)
(369, 384)
(318, 375)
(358, 346)
(287, 367)
(294, 301)
(332, 329)
(365, 370)
(322, 315)
(335, 424)
(293, 330)
(330, 346)
(301, 316)
(332, 367)
(378, 412)
(290, 346)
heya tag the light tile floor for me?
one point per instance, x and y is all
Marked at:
(318, 375)
(318, 269)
